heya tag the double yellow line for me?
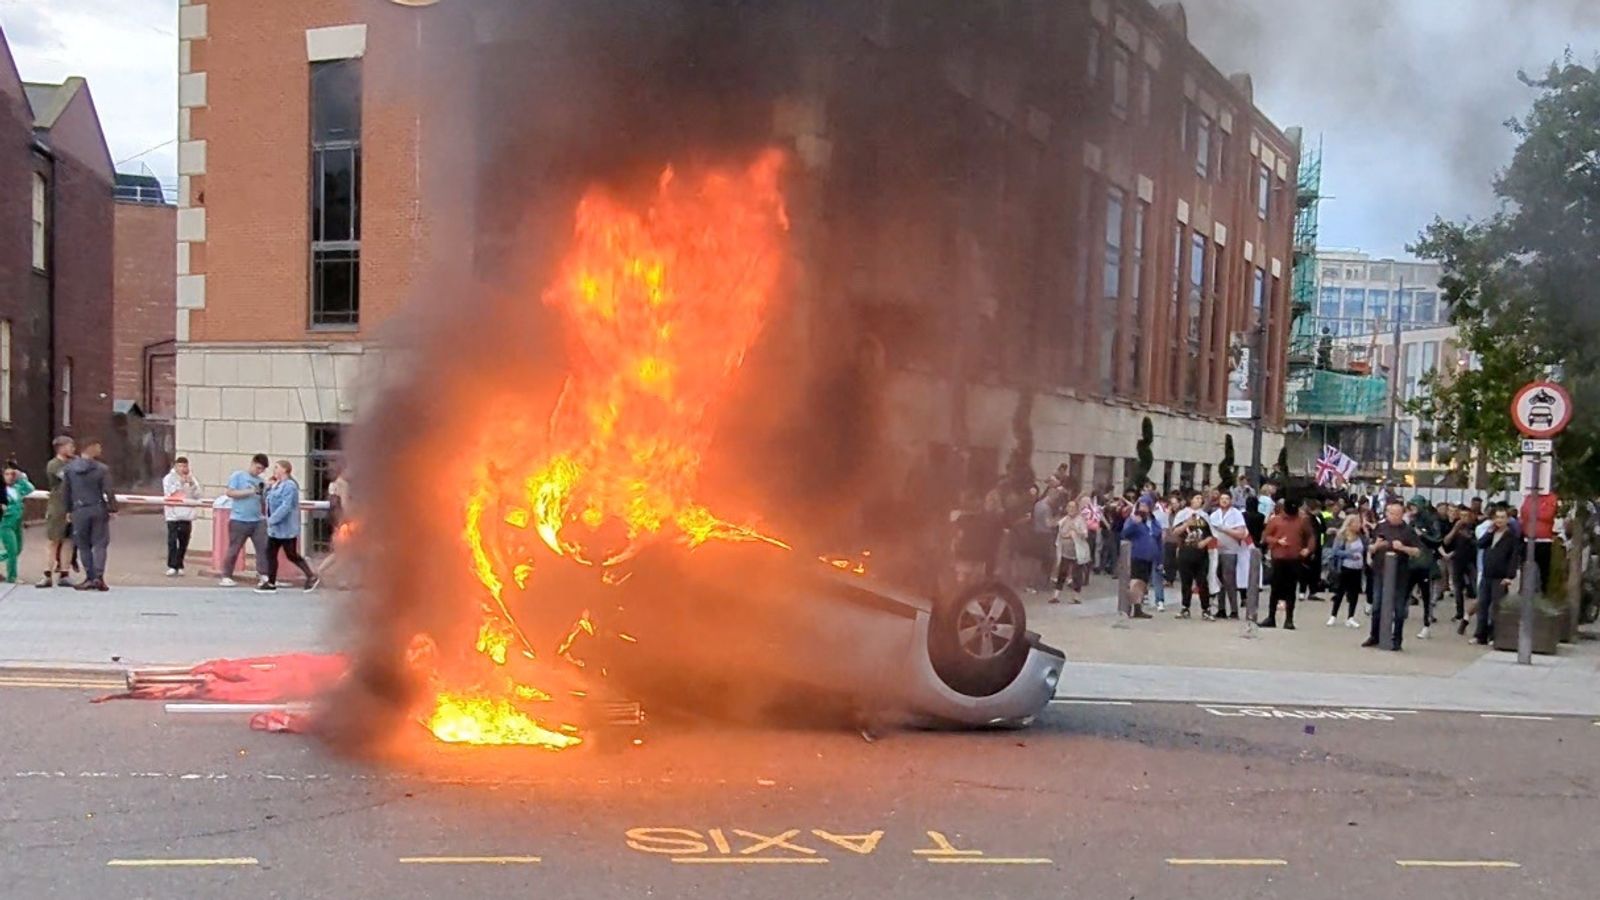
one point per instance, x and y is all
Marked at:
(61, 682)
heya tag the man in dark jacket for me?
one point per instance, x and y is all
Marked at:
(1502, 556)
(90, 503)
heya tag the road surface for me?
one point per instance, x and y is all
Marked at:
(1097, 800)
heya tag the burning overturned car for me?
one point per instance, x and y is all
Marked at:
(599, 580)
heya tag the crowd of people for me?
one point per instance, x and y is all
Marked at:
(263, 500)
(1197, 549)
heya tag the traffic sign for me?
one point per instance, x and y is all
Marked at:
(1533, 446)
(1541, 409)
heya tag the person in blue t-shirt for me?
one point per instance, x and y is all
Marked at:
(248, 521)
(1144, 550)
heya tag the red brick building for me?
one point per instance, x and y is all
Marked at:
(1064, 202)
(56, 233)
(143, 326)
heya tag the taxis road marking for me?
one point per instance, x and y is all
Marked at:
(1227, 862)
(749, 860)
(173, 863)
(470, 860)
(1458, 863)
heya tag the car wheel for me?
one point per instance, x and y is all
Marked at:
(978, 640)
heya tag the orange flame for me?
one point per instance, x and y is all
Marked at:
(661, 306)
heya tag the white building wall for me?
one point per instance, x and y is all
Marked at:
(238, 400)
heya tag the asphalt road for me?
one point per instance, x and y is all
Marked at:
(1145, 800)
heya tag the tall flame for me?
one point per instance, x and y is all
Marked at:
(661, 304)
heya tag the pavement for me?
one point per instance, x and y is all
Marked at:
(189, 620)
(1144, 800)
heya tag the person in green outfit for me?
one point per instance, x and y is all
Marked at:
(18, 487)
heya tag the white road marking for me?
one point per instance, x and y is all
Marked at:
(1067, 701)
(172, 863)
(1227, 862)
(470, 860)
(1517, 718)
(991, 860)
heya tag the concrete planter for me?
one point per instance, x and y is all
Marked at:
(1548, 625)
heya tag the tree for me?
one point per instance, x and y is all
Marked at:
(1524, 291)
(1524, 288)
(1280, 469)
(1145, 453)
(1227, 471)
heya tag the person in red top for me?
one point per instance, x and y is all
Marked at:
(1539, 525)
(1289, 540)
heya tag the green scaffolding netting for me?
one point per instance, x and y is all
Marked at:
(1325, 393)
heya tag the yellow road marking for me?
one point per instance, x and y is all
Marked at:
(1458, 864)
(749, 860)
(1227, 862)
(47, 683)
(993, 860)
(153, 863)
(470, 860)
(1516, 718)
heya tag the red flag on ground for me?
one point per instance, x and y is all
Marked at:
(261, 679)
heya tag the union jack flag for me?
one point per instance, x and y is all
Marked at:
(1333, 467)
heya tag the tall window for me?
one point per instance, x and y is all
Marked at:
(1355, 302)
(5, 371)
(1111, 290)
(1197, 287)
(1402, 305)
(66, 395)
(1377, 303)
(1094, 55)
(1145, 77)
(1258, 297)
(1263, 191)
(38, 221)
(1427, 307)
(1328, 303)
(1174, 310)
(1120, 66)
(1202, 146)
(1136, 300)
(323, 441)
(336, 193)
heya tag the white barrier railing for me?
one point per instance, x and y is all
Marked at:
(155, 500)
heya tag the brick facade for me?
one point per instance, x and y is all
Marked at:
(143, 366)
(62, 312)
(1031, 136)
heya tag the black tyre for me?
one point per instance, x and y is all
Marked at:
(978, 640)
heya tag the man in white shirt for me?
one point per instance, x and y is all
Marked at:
(1163, 515)
(179, 485)
(1227, 524)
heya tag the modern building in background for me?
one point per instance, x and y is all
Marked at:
(1347, 389)
(56, 236)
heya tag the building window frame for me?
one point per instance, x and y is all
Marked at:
(1263, 191)
(66, 395)
(324, 449)
(1135, 344)
(1121, 79)
(335, 179)
(1202, 146)
(39, 220)
(1116, 206)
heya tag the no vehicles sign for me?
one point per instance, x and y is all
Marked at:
(1541, 409)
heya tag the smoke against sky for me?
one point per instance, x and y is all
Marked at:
(1409, 97)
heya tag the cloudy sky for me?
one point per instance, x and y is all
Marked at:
(1407, 97)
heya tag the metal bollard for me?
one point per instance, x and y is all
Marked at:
(1125, 600)
(1386, 613)
(1252, 591)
